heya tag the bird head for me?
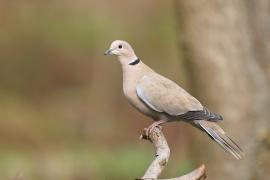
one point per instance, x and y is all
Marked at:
(122, 49)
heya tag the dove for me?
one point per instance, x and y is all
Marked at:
(164, 101)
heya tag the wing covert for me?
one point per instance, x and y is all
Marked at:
(164, 95)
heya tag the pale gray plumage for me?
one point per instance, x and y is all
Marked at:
(165, 101)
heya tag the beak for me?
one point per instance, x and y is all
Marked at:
(108, 52)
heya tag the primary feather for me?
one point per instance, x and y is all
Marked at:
(220, 137)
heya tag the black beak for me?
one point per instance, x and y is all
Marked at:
(108, 52)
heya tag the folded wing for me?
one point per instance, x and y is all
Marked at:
(164, 95)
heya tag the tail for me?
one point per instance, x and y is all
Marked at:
(218, 135)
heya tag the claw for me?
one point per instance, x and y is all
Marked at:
(152, 126)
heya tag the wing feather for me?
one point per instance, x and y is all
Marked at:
(164, 95)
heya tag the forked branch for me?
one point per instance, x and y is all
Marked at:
(162, 157)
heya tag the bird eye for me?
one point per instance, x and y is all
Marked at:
(120, 46)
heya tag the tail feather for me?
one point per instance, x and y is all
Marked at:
(219, 136)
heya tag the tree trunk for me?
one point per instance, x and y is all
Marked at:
(229, 73)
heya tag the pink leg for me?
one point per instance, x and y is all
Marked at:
(155, 124)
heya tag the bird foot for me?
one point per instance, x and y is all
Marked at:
(157, 124)
(150, 129)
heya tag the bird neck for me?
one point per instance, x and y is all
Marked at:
(131, 60)
(130, 65)
(135, 62)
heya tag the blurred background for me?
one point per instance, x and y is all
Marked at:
(62, 111)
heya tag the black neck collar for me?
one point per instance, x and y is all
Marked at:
(134, 62)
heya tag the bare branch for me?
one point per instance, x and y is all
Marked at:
(162, 157)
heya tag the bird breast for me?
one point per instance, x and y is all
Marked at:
(129, 88)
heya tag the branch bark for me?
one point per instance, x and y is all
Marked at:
(162, 157)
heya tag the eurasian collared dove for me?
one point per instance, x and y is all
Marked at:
(165, 101)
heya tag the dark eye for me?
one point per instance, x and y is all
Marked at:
(120, 46)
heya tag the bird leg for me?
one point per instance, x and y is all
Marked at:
(155, 124)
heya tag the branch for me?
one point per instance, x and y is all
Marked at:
(162, 157)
